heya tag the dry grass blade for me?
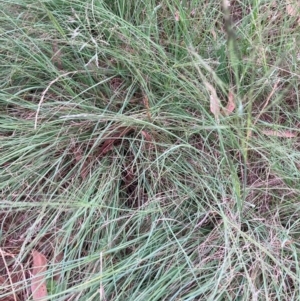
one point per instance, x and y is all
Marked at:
(249, 132)
(146, 104)
(230, 104)
(38, 282)
(56, 58)
(214, 101)
(101, 290)
(267, 102)
(284, 134)
(45, 92)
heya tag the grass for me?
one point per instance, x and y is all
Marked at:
(114, 167)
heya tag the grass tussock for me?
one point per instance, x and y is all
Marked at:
(116, 168)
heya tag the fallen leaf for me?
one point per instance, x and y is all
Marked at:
(285, 134)
(226, 3)
(213, 34)
(147, 136)
(230, 104)
(38, 282)
(113, 138)
(293, 7)
(214, 101)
